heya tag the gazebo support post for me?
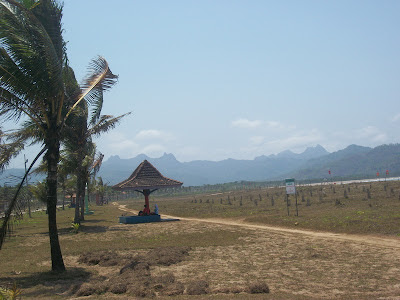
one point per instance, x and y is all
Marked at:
(146, 210)
(146, 193)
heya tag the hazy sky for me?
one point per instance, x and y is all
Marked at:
(218, 79)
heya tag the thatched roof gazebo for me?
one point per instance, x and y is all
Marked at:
(146, 179)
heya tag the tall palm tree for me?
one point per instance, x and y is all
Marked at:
(82, 150)
(36, 82)
(100, 189)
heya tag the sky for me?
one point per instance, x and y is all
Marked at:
(210, 80)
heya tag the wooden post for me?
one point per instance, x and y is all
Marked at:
(287, 203)
(27, 188)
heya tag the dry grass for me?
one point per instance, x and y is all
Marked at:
(135, 277)
(332, 207)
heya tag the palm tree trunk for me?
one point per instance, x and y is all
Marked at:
(80, 194)
(83, 203)
(52, 157)
(77, 219)
(63, 205)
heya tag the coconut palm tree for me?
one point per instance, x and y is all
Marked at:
(37, 83)
(82, 150)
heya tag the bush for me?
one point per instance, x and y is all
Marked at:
(102, 258)
(167, 256)
(199, 287)
(140, 290)
(258, 288)
(173, 289)
(136, 267)
(118, 288)
(165, 278)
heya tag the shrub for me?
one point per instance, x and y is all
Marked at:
(10, 293)
(118, 288)
(140, 290)
(88, 289)
(199, 287)
(260, 287)
(75, 227)
(140, 272)
(167, 256)
(130, 265)
(102, 258)
(165, 278)
(173, 289)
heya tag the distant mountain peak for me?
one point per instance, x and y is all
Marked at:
(113, 158)
(168, 156)
(286, 153)
(357, 147)
(314, 152)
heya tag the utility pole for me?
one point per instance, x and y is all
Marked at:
(27, 188)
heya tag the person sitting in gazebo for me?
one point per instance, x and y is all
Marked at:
(145, 211)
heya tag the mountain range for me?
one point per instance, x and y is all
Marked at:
(314, 163)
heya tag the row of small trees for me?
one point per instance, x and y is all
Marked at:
(317, 193)
(39, 90)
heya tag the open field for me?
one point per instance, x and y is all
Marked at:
(367, 208)
(233, 255)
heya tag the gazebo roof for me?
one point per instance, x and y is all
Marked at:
(146, 176)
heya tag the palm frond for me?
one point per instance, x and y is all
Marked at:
(29, 133)
(97, 163)
(32, 69)
(14, 93)
(9, 151)
(100, 78)
(13, 142)
(96, 106)
(106, 123)
(67, 165)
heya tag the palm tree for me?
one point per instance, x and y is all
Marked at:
(64, 169)
(100, 189)
(82, 150)
(36, 82)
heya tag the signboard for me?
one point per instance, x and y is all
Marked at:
(290, 187)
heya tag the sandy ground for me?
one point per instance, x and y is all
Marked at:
(294, 263)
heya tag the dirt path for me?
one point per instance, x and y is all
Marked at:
(392, 242)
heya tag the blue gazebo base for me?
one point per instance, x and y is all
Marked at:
(143, 219)
(139, 219)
